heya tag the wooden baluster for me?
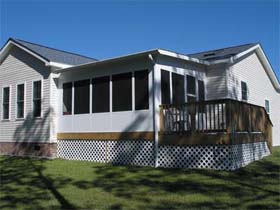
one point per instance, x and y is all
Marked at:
(218, 117)
(223, 120)
(206, 114)
(162, 120)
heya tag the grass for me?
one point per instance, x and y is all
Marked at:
(51, 184)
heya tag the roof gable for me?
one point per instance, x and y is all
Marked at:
(48, 54)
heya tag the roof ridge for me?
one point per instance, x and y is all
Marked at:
(223, 48)
(55, 49)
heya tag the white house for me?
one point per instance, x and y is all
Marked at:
(211, 109)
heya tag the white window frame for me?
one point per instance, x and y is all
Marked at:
(269, 111)
(24, 102)
(42, 96)
(10, 98)
(247, 91)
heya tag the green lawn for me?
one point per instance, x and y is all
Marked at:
(44, 184)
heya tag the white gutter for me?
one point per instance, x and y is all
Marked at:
(58, 65)
(181, 56)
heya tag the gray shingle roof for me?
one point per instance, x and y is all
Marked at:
(221, 53)
(55, 55)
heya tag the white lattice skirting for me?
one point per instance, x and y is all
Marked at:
(221, 157)
(141, 153)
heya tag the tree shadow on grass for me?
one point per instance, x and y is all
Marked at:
(255, 186)
(23, 183)
(27, 182)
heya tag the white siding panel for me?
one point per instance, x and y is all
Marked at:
(216, 82)
(260, 88)
(19, 67)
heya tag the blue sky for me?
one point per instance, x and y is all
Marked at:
(104, 29)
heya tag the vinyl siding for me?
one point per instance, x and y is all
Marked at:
(20, 67)
(260, 88)
(216, 82)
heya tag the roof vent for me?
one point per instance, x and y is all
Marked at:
(209, 54)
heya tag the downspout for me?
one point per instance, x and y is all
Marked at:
(153, 61)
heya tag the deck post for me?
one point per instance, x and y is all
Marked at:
(193, 113)
(229, 120)
(156, 97)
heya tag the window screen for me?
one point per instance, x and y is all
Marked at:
(191, 89)
(81, 96)
(67, 98)
(191, 85)
(37, 88)
(201, 90)
(6, 103)
(244, 91)
(122, 92)
(141, 90)
(178, 89)
(20, 101)
(101, 94)
(165, 87)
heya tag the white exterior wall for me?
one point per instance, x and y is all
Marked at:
(260, 88)
(124, 121)
(17, 68)
(216, 85)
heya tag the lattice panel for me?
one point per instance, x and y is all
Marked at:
(117, 152)
(215, 157)
(139, 153)
(243, 154)
(82, 150)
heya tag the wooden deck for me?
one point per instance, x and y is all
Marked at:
(223, 121)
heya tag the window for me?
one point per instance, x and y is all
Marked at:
(165, 87)
(20, 101)
(244, 91)
(141, 89)
(191, 88)
(178, 89)
(122, 92)
(201, 90)
(67, 98)
(101, 94)
(6, 103)
(81, 97)
(267, 108)
(37, 88)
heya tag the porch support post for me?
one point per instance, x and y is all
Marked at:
(156, 103)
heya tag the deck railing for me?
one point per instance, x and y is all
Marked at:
(215, 117)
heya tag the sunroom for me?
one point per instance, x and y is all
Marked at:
(143, 109)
